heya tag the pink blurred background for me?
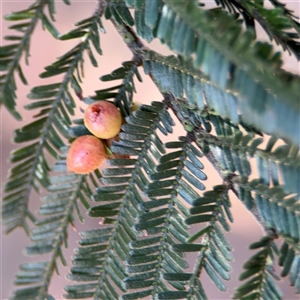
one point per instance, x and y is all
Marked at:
(44, 51)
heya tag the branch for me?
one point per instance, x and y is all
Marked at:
(137, 48)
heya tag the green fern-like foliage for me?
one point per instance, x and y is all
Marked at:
(279, 23)
(11, 54)
(121, 197)
(229, 92)
(50, 233)
(260, 267)
(252, 97)
(56, 104)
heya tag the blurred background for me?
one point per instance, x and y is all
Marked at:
(44, 50)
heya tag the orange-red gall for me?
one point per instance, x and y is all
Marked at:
(85, 155)
(103, 119)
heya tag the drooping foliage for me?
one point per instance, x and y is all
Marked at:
(56, 105)
(229, 92)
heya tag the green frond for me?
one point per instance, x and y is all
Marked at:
(283, 161)
(47, 24)
(50, 232)
(177, 178)
(120, 13)
(289, 260)
(146, 15)
(277, 209)
(280, 27)
(234, 151)
(11, 54)
(121, 94)
(101, 258)
(286, 11)
(31, 169)
(233, 61)
(213, 207)
(47, 133)
(214, 251)
(186, 168)
(179, 78)
(278, 22)
(259, 272)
